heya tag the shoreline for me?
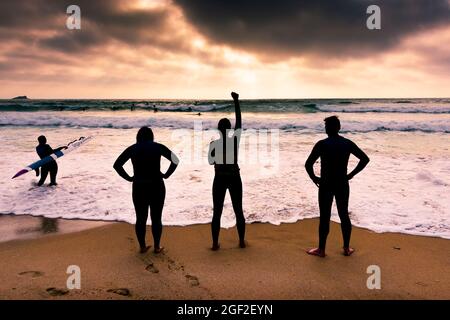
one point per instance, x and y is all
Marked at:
(85, 224)
(412, 267)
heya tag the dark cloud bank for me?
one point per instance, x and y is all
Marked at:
(268, 27)
(327, 27)
(102, 22)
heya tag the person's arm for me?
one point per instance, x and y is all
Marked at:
(363, 160)
(39, 152)
(121, 160)
(212, 153)
(237, 110)
(174, 161)
(50, 150)
(309, 164)
(60, 148)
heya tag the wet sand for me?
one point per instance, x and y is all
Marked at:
(14, 227)
(273, 266)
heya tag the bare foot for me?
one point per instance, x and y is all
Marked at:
(158, 249)
(316, 252)
(144, 250)
(348, 251)
(215, 247)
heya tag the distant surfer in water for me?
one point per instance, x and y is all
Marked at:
(44, 150)
(148, 183)
(223, 154)
(334, 153)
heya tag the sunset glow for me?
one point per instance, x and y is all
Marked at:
(168, 49)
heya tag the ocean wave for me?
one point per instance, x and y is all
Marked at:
(110, 106)
(437, 106)
(399, 107)
(304, 124)
(396, 193)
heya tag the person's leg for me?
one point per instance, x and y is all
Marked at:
(156, 207)
(53, 173)
(44, 173)
(236, 199)
(219, 189)
(141, 205)
(325, 203)
(342, 196)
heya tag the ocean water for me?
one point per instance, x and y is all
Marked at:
(405, 187)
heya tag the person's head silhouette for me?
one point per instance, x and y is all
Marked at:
(223, 126)
(332, 125)
(42, 140)
(144, 134)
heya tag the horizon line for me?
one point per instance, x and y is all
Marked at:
(249, 99)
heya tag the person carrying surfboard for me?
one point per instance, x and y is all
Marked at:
(44, 150)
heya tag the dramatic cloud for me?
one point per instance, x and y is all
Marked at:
(103, 21)
(324, 27)
(203, 49)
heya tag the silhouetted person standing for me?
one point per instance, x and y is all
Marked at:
(223, 154)
(148, 184)
(334, 153)
(44, 150)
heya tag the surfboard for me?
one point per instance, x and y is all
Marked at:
(58, 154)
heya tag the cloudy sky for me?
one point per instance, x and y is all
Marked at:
(205, 48)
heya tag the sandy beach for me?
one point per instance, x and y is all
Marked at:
(274, 266)
(260, 117)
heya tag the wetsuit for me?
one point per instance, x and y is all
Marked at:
(223, 153)
(148, 185)
(334, 153)
(44, 150)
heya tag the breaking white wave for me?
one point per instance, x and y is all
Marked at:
(288, 122)
(404, 188)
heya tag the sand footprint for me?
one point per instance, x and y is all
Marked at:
(55, 292)
(193, 281)
(151, 267)
(121, 291)
(33, 274)
(173, 265)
